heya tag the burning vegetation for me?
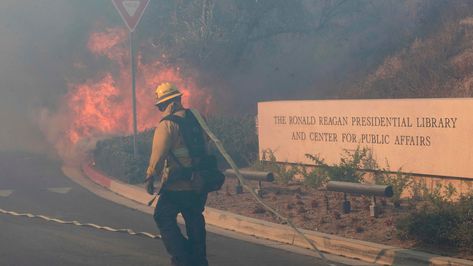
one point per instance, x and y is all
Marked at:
(101, 106)
(227, 55)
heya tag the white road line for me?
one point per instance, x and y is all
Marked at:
(60, 190)
(5, 193)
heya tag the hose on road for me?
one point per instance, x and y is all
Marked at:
(105, 228)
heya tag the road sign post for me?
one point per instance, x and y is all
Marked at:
(133, 91)
(131, 12)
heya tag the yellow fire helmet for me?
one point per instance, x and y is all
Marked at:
(166, 91)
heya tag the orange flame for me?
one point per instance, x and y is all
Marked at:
(94, 107)
(102, 106)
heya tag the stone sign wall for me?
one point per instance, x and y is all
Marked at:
(423, 136)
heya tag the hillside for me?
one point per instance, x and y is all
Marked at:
(436, 64)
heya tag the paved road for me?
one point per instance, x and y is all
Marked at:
(34, 184)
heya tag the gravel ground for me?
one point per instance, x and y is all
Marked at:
(308, 209)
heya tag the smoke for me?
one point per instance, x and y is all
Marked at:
(43, 48)
(267, 50)
(64, 65)
(29, 76)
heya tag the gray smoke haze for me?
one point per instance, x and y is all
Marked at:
(243, 51)
(39, 41)
(28, 31)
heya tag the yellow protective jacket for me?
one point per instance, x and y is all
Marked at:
(167, 138)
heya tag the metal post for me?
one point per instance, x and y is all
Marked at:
(259, 190)
(374, 210)
(346, 204)
(327, 204)
(238, 188)
(132, 63)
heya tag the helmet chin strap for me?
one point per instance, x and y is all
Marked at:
(162, 107)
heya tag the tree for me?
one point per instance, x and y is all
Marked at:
(209, 32)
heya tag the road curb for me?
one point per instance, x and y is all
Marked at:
(362, 250)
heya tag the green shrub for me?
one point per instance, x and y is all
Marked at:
(435, 196)
(444, 223)
(418, 190)
(347, 170)
(114, 156)
(440, 194)
(283, 173)
(399, 182)
(314, 177)
(429, 226)
(464, 232)
(450, 192)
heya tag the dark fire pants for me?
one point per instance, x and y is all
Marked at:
(184, 251)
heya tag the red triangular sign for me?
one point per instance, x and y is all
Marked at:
(131, 11)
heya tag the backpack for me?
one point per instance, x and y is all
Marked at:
(204, 173)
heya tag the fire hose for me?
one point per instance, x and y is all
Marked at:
(232, 164)
(76, 223)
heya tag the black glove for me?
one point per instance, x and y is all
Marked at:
(150, 185)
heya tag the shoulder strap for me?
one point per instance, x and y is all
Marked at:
(181, 122)
(174, 157)
(178, 120)
(174, 118)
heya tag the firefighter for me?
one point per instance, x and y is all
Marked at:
(170, 158)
